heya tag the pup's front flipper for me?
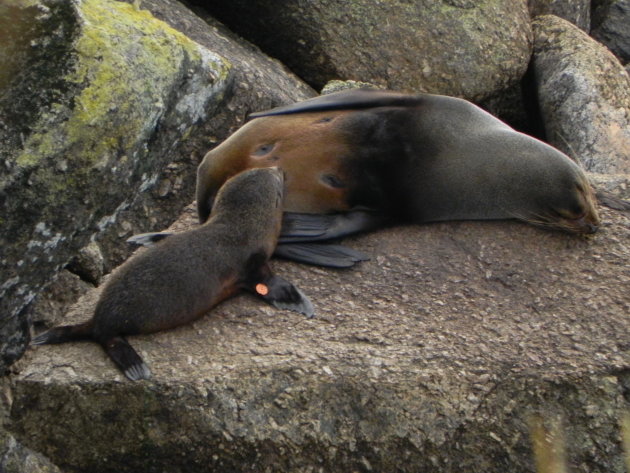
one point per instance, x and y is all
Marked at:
(148, 239)
(282, 294)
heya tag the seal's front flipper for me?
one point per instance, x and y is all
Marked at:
(612, 201)
(282, 294)
(148, 239)
(126, 358)
(298, 227)
(319, 254)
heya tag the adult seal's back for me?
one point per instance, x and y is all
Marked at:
(184, 276)
(370, 155)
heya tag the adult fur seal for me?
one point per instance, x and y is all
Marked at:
(422, 157)
(358, 158)
(181, 278)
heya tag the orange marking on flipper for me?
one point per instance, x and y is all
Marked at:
(262, 289)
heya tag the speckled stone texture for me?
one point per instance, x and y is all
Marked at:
(577, 12)
(84, 140)
(610, 26)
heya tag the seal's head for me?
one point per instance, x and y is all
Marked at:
(569, 202)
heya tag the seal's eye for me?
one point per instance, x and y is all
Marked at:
(263, 149)
(575, 213)
(332, 181)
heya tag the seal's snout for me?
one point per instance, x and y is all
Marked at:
(591, 228)
(587, 224)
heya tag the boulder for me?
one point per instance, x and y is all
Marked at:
(260, 82)
(610, 26)
(584, 96)
(15, 457)
(577, 12)
(51, 305)
(433, 356)
(99, 98)
(454, 47)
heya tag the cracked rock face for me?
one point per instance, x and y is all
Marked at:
(434, 354)
(610, 26)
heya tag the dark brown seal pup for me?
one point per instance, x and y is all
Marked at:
(356, 159)
(181, 278)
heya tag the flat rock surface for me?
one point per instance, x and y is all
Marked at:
(434, 353)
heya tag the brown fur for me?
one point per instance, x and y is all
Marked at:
(185, 275)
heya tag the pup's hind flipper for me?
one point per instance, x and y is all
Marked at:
(126, 358)
(65, 333)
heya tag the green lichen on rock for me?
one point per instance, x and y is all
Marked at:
(124, 58)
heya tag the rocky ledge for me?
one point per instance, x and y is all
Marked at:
(436, 354)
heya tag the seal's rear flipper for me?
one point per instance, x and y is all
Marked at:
(148, 239)
(65, 333)
(126, 358)
(282, 294)
(612, 201)
(319, 254)
(297, 227)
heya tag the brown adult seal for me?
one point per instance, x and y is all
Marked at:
(419, 157)
(184, 276)
(356, 159)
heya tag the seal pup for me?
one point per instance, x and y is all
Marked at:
(181, 278)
